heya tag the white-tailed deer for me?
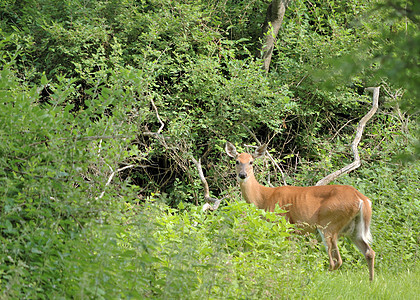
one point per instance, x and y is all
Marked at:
(333, 210)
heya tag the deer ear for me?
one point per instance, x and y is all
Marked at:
(260, 151)
(231, 150)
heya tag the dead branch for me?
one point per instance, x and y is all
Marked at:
(157, 116)
(356, 163)
(180, 161)
(341, 128)
(110, 179)
(216, 202)
(162, 124)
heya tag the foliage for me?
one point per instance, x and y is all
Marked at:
(97, 198)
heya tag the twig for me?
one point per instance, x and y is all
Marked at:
(83, 138)
(356, 163)
(110, 179)
(341, 128)
(303, 78)
(162, 124)
(157, 116)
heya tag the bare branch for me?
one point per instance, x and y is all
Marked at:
(84, 138)
(149, 133)
(207, 197)
(110, 179)
(341, 128)
(157, 116)
(356, 163)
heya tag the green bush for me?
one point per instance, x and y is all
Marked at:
(163, 252)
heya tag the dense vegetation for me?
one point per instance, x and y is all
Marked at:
(105, 102)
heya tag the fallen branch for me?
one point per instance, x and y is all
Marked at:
(356, 163)
(216, 202)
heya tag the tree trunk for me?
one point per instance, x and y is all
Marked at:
(273, 20)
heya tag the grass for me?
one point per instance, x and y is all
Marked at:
(351, 284)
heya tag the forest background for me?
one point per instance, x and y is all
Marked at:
(104, 104)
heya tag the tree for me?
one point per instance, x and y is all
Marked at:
(271, 27)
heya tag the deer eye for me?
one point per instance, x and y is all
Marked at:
(251, 162)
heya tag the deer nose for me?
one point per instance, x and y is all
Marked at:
(242, 175)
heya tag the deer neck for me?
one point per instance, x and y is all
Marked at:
(252, 192)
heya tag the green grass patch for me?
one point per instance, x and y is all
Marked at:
(354, 284)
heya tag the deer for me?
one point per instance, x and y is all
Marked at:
(332, 210)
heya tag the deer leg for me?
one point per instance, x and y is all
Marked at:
(334, 256)
(368, 253)
(336, 253)
(329, 244)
